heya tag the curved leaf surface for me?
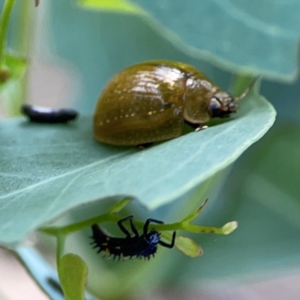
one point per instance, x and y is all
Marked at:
(265, 200)
(240, 35)
(49, 169)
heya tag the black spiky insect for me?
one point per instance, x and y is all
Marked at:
(143, 245)
(48, 115)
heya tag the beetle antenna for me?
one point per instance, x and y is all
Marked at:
(247, 90)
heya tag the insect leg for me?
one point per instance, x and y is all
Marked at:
(201, 127)
(197, 127)
(172, 242)
(147, 224)
(120, 223)
(98, 236)
(144, 146)
(133, 228)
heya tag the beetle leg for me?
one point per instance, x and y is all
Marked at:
(172, 242)
(133, 228)
(197, 127)
(147, 224)
(144, 146)
(201, 127)
(120, 223)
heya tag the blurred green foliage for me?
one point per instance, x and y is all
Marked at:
(261, 191)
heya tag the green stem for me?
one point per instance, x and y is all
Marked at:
(107, 217)
(8, 5)
(60, 247)
(66, 230)
(111, 216)
(240, 82)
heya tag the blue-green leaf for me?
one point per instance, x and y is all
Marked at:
(263, 196)
(49, 169)
(240, 35)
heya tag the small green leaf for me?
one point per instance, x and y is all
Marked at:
(72, 273)
(114, 5)
(188, 247)
(230, 227)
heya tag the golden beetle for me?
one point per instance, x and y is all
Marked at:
(151, 101)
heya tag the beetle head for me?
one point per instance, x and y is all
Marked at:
(153, 237)
(222, 104)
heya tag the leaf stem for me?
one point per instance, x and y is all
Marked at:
(108, 217)
(66, 230)
(61, 232)
(240, 82)
(60, 247)
(6, 12)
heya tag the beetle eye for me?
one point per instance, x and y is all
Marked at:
(215, 103)
(153, 237)
(216, 107)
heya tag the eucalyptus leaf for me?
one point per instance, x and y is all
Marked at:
(115, 41)
(240, 35)
(263, 195)
(49, 169)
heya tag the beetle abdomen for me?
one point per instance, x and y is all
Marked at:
(122, 247)
(141, 104)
